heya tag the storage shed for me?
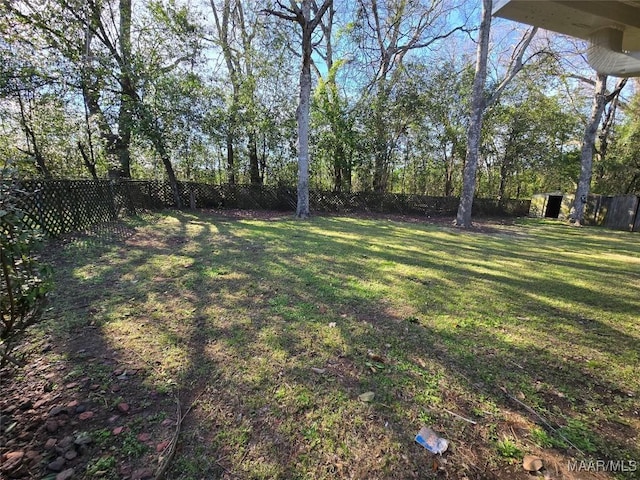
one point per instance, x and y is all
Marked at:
(620, 212)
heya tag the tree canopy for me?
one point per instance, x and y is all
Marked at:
(184, 90)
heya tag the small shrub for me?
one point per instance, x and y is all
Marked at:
(508, 449)
(23, 280)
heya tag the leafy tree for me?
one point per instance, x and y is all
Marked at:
(301, 14)
(23, 280)
(600, 100)
(619, 171)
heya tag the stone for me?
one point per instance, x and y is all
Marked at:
(51, 425)
(86, 415)
(34, 458)
(70, 455)
(73, 404)
(144, 437)
(162, 446)
(83, 438)
(57, 465)
(51, 443)
(65, 475)
(66, 443)
(12, 461)
(81, 408)
(123, 407)
(142, 474)
(117, 430)
(531, 463)
(57, 410)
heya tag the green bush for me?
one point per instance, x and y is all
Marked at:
(23, 280)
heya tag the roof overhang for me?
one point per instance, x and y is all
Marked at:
(609, 25)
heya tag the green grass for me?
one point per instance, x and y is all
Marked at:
(432, 319)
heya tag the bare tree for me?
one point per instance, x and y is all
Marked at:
(301, 14)
(479, 104)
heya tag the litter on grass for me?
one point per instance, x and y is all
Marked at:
(431, 441)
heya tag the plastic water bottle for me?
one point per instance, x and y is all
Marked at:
(431, 441)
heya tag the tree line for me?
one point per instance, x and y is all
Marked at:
(417, 96)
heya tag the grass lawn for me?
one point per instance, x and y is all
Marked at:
(270, 330)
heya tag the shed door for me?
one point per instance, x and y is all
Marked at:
(553, 206)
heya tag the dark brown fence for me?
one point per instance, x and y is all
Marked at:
(60, 206)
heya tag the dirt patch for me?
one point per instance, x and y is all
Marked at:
(81, 410)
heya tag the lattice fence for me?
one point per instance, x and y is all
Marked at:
(61, 206)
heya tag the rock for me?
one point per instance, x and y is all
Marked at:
(367, 396)
(162, 446)
(65, 475)
(81, 409)
(123, 407)
(51, 443)
(144, 437)
(125, 470)
(73, 404)
(51, 425)
(86, 415)
(83, 438)
(531, 463)
(117, 430)
(142, 474)
(57, 465)
(12, 461)
(70, 455)
(34, 458)
(66, 443)
(57, 410)
(168, 422)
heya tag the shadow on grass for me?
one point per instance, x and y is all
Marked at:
(235, 315)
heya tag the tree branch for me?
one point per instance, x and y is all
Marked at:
(514, 67)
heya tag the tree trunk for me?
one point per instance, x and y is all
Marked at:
(231, 172)
(127, 98)
(91, 166)
(302, 115)
(254, 168)
(588, 147)
(463, 218)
